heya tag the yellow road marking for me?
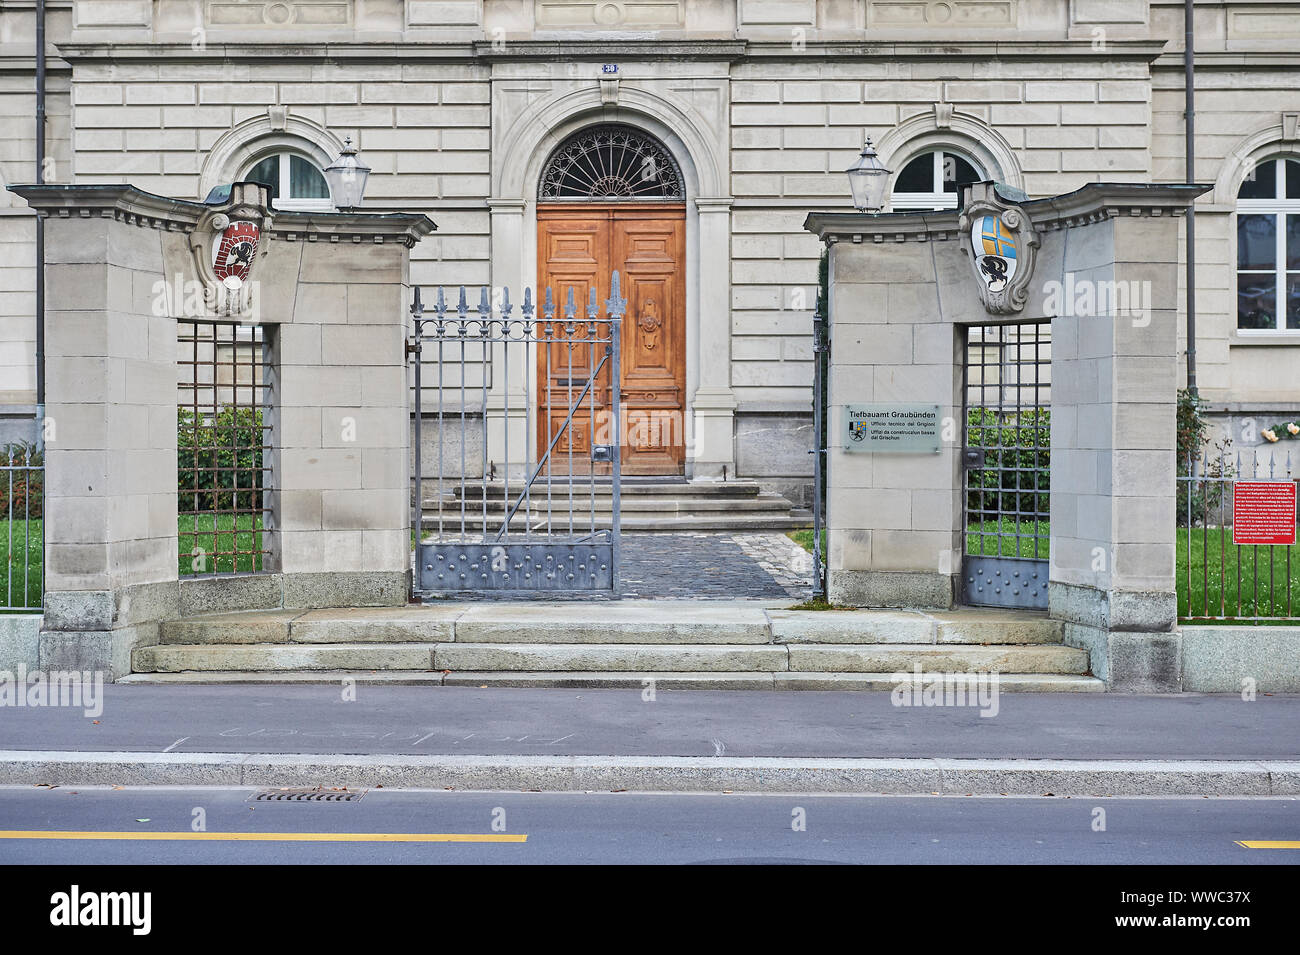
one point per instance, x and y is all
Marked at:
(266, 836)
(1270, 843)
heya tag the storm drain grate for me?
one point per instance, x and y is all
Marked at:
(308, 795)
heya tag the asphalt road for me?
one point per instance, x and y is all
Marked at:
(639, 828)
(612, 722)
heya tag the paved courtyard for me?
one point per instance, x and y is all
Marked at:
(720, 566)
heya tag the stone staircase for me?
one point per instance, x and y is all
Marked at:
(647, 504)
(736, 645)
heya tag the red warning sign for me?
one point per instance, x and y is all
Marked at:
(1263, 512)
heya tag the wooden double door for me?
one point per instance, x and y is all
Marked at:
(580, 245)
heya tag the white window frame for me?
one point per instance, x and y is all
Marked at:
(932, 201)
(1279, 208)
(287, 204)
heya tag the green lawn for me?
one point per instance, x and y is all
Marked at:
(1008, 538)
(985, 544)
(206, 535)
(804, 539)
(23, 562)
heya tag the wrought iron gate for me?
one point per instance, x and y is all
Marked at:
(515, 507)
(1007, 456)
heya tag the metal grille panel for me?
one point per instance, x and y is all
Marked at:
(223, 448)
(1007, 452)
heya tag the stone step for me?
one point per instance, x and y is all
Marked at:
(944, 658)
(630, 621)
(678, 680)
(719, 521)
(496, 490)
(582, 503)
(173, 658)
(626, 657)
(625, 621)
(614, 624)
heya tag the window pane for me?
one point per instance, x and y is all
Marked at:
(267, 172)
(1293, 300)
(1262, 184)
(305, 180)
(1256, 300)
(1292, 179)
(957, 172)
(1293, 242)
(917, 175)
(1256, 242)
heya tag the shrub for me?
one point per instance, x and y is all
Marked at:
(25, 497)
(219, 459)
(1195, 500)
(1015, 475)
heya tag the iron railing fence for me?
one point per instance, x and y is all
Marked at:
(223, 457)
(1219, 580)
(23, 536)
(526, 463)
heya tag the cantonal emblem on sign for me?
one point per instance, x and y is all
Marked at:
(233, 252)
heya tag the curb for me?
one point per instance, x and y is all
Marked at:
(677, 774)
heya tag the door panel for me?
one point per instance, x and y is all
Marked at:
(580, 246)
(648, 253)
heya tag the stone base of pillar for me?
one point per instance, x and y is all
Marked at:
(1129, 660)
(96, 630)
(1130, 636)
(712, 452)
(920, 590)
(105, 652)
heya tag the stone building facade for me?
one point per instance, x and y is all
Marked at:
(460, 105)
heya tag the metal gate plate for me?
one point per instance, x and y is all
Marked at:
(563, 566)
(1006, 582)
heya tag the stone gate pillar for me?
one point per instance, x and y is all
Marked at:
(1100, 265)
(330, 292)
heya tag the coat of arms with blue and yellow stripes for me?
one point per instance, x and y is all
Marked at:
(995, 251)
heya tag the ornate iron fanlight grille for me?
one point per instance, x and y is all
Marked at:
(611, 163)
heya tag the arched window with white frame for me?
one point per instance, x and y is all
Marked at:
(933, 181)
(297, 184)
(1268, 247)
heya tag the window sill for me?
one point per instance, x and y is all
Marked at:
(1264, 338)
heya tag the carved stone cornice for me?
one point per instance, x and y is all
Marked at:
(134, 206)
(1091, 203)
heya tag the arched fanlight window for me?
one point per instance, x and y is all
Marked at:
(611, 163)
(933, 181)
(1268, 247)
(296, 184)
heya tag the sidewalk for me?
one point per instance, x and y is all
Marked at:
(522, 738)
